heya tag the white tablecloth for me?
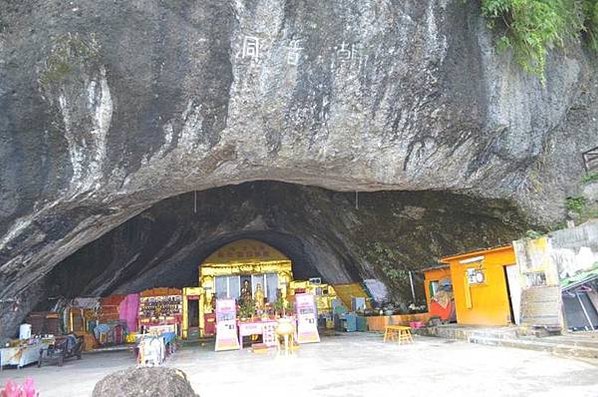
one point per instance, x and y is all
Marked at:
(20, 356)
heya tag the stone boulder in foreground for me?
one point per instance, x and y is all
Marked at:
(139, 382)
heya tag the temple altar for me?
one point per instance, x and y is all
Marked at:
(253, 273)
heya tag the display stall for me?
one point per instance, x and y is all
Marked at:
(102, 322)
(161, 311)
(82, 323)
(109, 329)
(22, 352)
(82, 315)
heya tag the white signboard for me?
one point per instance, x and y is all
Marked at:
(226, 325)
(307, 322)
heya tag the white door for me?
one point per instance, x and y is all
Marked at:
(515, 291)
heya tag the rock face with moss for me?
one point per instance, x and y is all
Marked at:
(530, 28)
(108, 107)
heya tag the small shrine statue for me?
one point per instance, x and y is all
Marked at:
(245, 291)
(259, 297)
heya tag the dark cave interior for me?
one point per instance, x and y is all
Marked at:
(339, 236)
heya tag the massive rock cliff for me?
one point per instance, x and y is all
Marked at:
(108, 107)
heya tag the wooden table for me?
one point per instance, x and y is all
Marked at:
(399, 333)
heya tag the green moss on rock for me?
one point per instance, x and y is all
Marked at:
(69, 53)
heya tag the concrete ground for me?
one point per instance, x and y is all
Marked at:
(358, 364)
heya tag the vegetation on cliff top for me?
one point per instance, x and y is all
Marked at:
(532, 27)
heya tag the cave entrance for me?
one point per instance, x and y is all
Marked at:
(158, 255)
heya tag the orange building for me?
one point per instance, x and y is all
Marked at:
(485, 286)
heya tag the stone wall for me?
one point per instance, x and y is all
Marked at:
(575, 249)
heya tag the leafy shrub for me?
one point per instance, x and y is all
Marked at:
(576, 204)
(531, 27)
(588, 178)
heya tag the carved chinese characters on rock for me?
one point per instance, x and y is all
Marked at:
(349, 56)
(251, 48)
(253, 51)
(293, 55)
(247, 69)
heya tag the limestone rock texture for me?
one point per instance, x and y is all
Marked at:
(109, 107)
(145, 382)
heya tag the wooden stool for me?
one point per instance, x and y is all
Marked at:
(398, 333)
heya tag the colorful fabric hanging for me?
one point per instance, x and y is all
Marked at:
(128, 311)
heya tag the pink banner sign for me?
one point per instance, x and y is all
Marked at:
(307, 322)
(226, 325)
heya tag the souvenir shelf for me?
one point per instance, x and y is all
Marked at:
(160, 310)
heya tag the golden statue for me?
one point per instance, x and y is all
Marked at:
(259, 297)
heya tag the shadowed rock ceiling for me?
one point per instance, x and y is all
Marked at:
(325, 233)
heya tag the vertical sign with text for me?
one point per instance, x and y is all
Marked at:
(307, 322)
(226, 325)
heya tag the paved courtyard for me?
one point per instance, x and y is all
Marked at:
(346, 365)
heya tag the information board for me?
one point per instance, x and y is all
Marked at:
(307, 322)
(226, 325)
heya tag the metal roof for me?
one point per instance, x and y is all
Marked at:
(579, 279)
(475, 253)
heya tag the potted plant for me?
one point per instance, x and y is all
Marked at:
(279, 307)
(290, 308)
(246, 309)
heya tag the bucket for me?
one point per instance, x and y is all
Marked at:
(25, 331)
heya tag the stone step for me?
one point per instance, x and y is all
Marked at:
(565, 349)
(511, 334)
(582, 342)
(466, 333)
